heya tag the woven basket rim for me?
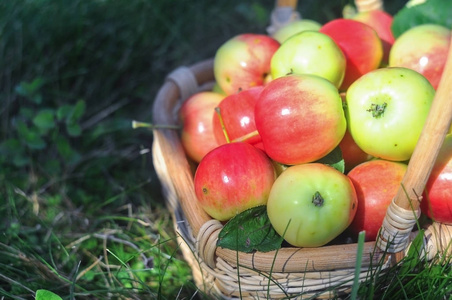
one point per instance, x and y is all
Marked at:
(176, 174)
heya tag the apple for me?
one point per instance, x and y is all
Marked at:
(309, 52)
(381, 22)
(300, 118)
(237, 114)
(294, 27)
(376, 183)
(437, 202)
(311, 204)
(352, 154)
(424, 49)
(361, 45)
(232, 178)
(197, 135)
(386, 110)
(243, 61)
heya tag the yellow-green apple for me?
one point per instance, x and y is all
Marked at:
(424, 49)
(376, 183)
(386, 110)
(237, 114)
(381, 22)
(311, 204)
(294, 27)
(360, 44)
(243, 61)
(300, 118)
(197, 135)
(309, 52)
(232, 178)
(437, 202)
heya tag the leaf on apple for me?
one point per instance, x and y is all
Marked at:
(431, 11)
(250, 231)
(334, 159)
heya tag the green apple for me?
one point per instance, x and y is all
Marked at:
(309, 52)
(294, 27)
(386, 110)
(311, 204)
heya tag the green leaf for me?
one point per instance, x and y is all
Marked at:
(66, 151)
(30, 137)
(63, 111)
(20, 160)
(429, 12)
(47, 295)
(73, 129)
(45, 119)
(334, 159)
(250, 231)
(76, 113)
(30, 90)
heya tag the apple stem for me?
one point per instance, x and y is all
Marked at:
(377, 109)
(138, 124)
(217, 110)
(246, 136)
(317, 199)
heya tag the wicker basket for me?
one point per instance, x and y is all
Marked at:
(311, 272)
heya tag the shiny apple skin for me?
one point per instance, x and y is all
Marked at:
(360, 44)
(197, 135)
(232, 178)
(237, 112)
(300, 118)
(295, 211)
(243, 62)
(424, 49)
(310, 52)
(381, 22)
(376, 183)
(437, 202)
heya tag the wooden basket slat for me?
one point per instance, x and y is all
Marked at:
(291, 259)
(178, 168)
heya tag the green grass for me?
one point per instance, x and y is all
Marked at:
(81, 211)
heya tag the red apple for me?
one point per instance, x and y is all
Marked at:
(197, 135)
(243, 61)
(424, 49)
(437, 202)
(352, 154)
(237, 113)
(376, 183)
(232, 178)
(360, 44)
(299, 118)
(381, 22)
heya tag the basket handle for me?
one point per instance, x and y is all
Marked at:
(284, 12)
(407, 200)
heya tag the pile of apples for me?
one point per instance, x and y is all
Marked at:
(283, 103)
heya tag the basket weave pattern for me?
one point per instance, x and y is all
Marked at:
(322, 272)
